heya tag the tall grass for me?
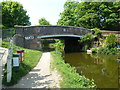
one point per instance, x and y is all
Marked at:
(70, 79)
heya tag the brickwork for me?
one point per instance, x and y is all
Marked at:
(29, 36)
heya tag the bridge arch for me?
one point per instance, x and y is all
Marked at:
(29, 36)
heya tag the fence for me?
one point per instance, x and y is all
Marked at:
(7, 34)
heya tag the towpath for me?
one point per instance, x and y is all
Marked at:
(40, 76)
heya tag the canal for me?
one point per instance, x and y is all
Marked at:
(103, 69)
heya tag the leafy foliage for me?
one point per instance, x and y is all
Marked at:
(59, 46)
(67, 16)
(5, 44)
(70, 79)
(94, 50)
(105, 50)
(111, 41)
(110, 46)
(86, 41)
(97, 33)
(103, 15)
(13, 13)
(2, 26)
(43, 21)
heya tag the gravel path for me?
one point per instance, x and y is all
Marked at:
(40, 76)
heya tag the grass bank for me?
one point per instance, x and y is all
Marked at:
(31, 58)
(70, 79)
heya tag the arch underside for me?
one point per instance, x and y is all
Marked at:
(60, 36)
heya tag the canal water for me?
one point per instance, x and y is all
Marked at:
(103, 69)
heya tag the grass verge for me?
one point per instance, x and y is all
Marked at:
(31, 58)
(70, 79)
(5, 44)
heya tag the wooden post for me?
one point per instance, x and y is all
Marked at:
(1, 74)
(9, 62)
(118, 74)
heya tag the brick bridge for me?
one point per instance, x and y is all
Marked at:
(30, 36)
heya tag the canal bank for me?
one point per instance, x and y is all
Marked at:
(99, 67)
(70, 78)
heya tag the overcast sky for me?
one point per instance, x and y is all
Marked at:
(49, 9)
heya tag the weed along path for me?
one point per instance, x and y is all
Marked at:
(40, 76)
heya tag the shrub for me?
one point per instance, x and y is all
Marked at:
(105, 50)
(94, 50)
(59, 46)
(111, 41)
(86, 41)
(110, 45)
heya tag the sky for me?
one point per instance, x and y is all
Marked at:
(48, 9)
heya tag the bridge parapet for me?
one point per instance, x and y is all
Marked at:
(50, 30)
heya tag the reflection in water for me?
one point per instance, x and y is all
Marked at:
(102, 68)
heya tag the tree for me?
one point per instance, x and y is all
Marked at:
(103, 15)
(68, 15)
(43, 21)
(88, 15)
(13, 13)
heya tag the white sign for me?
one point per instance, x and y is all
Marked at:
(15, 61)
